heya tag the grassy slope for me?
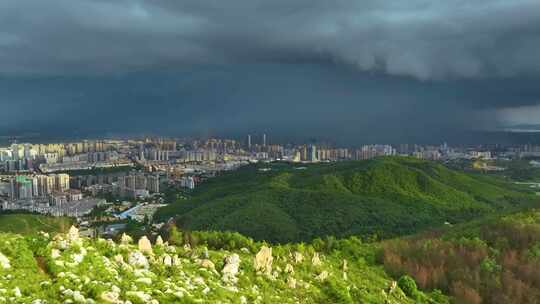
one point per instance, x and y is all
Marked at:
(387, 196)
(365, 283)
(31, 223)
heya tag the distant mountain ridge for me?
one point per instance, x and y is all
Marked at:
(385, 196)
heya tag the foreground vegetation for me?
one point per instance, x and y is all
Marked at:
(494, 260)
(385, 197)
(70, 269)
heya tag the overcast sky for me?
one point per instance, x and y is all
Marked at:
(389, 70)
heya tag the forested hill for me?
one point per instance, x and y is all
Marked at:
(490, 260)
(296, 202)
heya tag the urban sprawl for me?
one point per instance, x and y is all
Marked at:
(73, 178)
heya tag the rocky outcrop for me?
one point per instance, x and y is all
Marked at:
(206, 263)
(145, 246)
(316, 260)
(263, 260)
(137, 260)
(322, 276)
(289, 268)
(167, 260)
(298, 257)
(232, 264)
(291, 282)
(73, 234)
(159, 241)
(4, 262)
(126, 239)
(111, 297)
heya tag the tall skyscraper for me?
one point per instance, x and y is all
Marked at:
(264, 140)
(249, 141)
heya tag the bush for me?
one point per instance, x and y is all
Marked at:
(408, 285)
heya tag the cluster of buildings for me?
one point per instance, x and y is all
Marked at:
(138, 168)
(60, 157)
(137, 185)
(42, 186)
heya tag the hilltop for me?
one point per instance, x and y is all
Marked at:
(72, 269)
(386, 197)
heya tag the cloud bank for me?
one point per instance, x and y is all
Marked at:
(424, 39)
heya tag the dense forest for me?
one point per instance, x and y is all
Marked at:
(380, 198)
(496, 260)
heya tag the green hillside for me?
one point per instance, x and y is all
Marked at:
(25, 223)
(72, 269)
(385, 196)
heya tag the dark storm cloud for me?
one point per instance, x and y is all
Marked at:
(421, 38)
(286, 101)
(353, 71)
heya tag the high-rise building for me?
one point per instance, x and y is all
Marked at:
(153, 183)
(264, 140)
(249, 142)
(21, 187)
(62, 182)
(312, 153)
(140, 181)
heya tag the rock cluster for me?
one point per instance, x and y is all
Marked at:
(145, 246)
(316, 260)
(73, 234)
(4, 262)
(232, 264)
(263, 260)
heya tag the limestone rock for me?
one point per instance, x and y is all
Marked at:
(316, 260)
(289, 268)
(243, 300)
(137, 259)
(145, 246)
(298, 257)
(291, 282)
(140, 295)
(263, 260)
(176, 260)
(206, 263)
(392, 287)
(73, 234)
(322, 276)
(232, 263)
(4, 262)
(78, 297)
(110, 297)
(167, 260)
(159, 241)
(126, 239)
(119, 259)
(55, 253)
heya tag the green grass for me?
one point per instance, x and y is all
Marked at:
(39, 275)
(32, 223)
(386, 197)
